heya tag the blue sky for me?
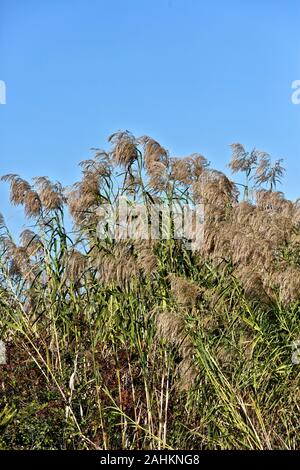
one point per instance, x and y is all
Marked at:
(196, 75)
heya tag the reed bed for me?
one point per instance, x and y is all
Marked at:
(148, 344)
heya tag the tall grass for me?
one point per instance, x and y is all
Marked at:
(138, 344)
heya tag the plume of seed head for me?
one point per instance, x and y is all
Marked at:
(171, 328)
(187, 170)
(185, 292)
(288, 283)
(181, 170)
(21, 193)
(146, 259)
(32, 204)
(76, 265)
(50, 194)
(18, 260)
(153, 152)
(31, 242)
(84, 197)
(117, 265)
(158, 176)
(18, 188)
(156, 161)
(125, 150)
(239, 158)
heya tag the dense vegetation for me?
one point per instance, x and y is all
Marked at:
(147, 344)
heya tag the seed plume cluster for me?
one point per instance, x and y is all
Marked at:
(142, 338)
(259, 237)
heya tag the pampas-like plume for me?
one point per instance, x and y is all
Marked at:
(254, 239)
(100, 164)
(273, 201)
(116, 266)
(80, 205)
(288, 282)
(268, 173)
(21, 193)
(189, 169)
(242, 160)
(198, 164)
(156, 161)
(171, 328)
(32, 204)
(18, 188)
(153, 152)
(76, 265)
(214, 188)
(50, 194)
(185, 292)
(158, 177)
(125, 151)
(181, 170)
(84, 197)
(31, 242)
(146, 259)
(19, 260)
(218, 194)
(262, 169)
(253, 283)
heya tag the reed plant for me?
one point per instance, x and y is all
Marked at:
(144, 343)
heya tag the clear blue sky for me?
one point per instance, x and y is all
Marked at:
(196, 75)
